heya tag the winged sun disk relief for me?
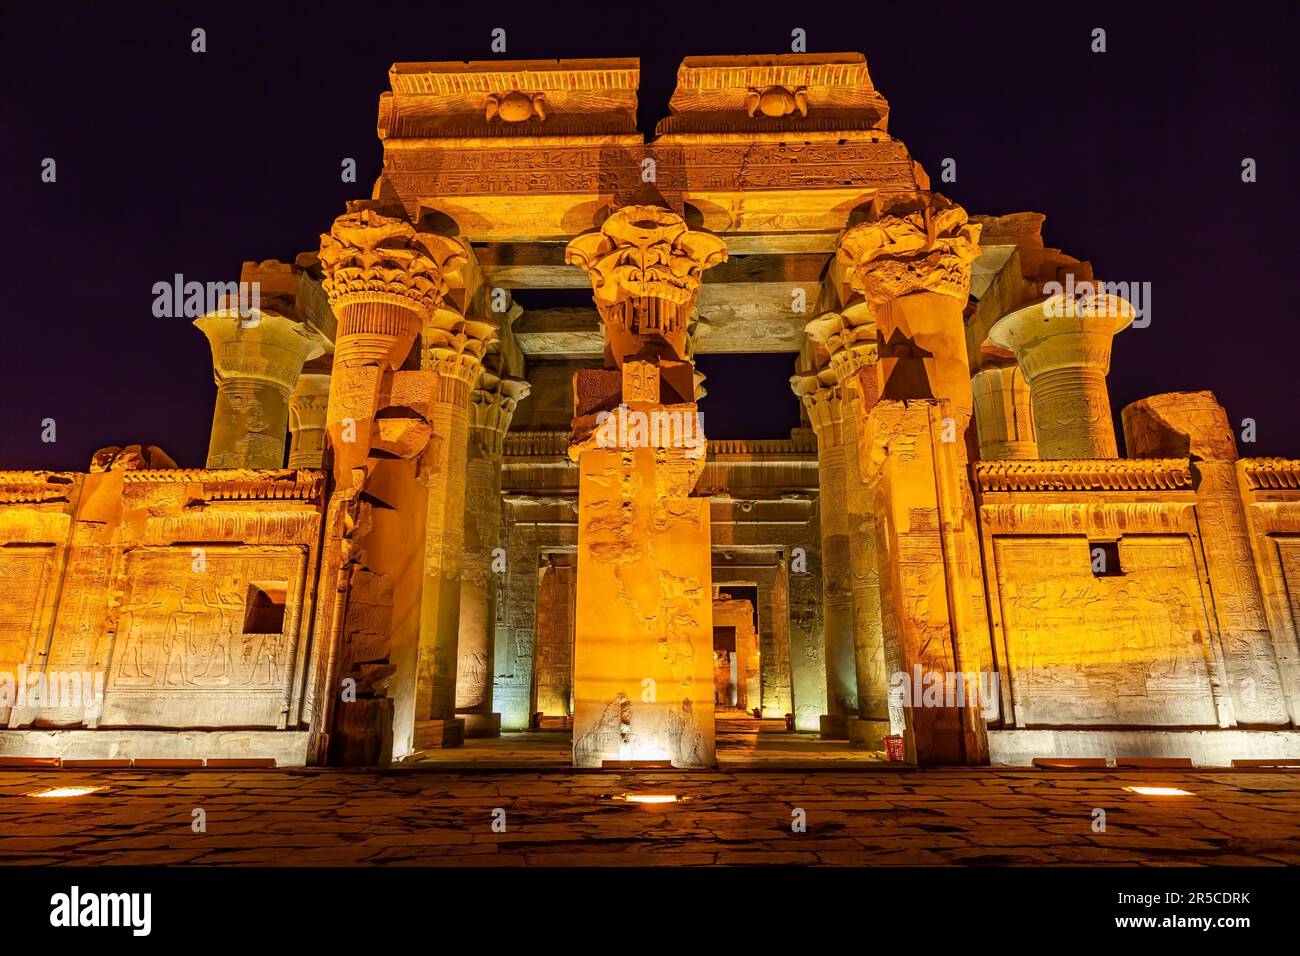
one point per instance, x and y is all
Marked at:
(776, 101)
(515, 107)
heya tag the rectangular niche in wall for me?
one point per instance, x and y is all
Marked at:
(264, 608)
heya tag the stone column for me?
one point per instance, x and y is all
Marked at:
(491, 406)
(1062, 344)
(308, 405)
(1194, 424)
(1004, 419)
(256, 361)
(384, 281)
(910, 260)
(915, 476)
(643, 642)
(453, 348)
(824, 400)
(849, 342)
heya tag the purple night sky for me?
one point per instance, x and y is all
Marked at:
(171, 161)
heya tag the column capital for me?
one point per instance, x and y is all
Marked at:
(850, 346)
(823, 397)
(1063, 332)
(454, 346)
(645, 267)
(1062, 344)
(645, 251)
(373, 260)
(921, 242)
(263, 346)
(491, 406)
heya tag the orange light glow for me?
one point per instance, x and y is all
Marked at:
(1159, 791)
(65, 791)
(649, 797)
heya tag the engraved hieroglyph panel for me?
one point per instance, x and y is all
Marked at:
(1126, 650)
(643, 631)
(1288, 556)
(24, 573)
(207, 644)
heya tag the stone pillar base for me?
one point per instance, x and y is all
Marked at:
(867, 734)
(439, 734)
(834, 726)
(363, 733)
(481, 725)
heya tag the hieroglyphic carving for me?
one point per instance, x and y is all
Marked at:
(466, 171)
(224, 639)
(1195, 424)
(746, 656)
(643, 619)
(1129, 650)
(24, 575)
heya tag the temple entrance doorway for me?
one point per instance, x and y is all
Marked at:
(737, 662)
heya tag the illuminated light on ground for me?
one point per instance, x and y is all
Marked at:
(65, 791)
(648, 797)
(1159, 791)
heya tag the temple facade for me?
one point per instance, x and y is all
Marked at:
(430, 514)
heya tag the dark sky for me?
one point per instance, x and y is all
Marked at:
(171, 161)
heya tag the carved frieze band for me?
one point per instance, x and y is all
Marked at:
(1261, 473)
(1146, 474)
(525, 444)
(34, 487)
(618, 169)
(239, 484)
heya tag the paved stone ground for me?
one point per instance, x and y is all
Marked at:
(855, 817)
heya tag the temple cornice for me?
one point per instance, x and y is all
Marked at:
(1147, 474)
(1270, 473)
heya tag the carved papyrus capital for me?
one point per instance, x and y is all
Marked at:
(1059, 332)
(850, 348)
(491, 406)
(823, 397)
(371, 258)
(454, 347)
(920, 243)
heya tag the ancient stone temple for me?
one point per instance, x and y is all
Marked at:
(431, 514)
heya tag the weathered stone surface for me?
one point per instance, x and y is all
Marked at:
(505, 530)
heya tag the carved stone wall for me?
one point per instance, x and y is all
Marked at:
(185, 598)
(1270, 490)
(1096, 573)
(1129, 650)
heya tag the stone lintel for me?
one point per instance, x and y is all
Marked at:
(765, 92)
